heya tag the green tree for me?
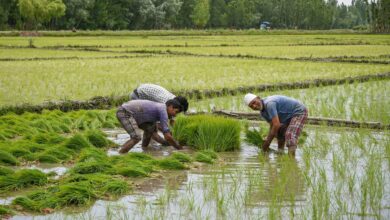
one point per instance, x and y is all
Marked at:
(37, 11)
(201, 14)
(218, 15)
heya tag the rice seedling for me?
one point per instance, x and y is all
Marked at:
(5, 210)
(204, 158)
(116, 187)
(22, 179)
(46, 158)
(92, 166)
(7, 158)
(208, 132)
(255, 136)
(88, 154)
(4, 171)
(131, 171)
(97, 139)
(78, 193)
(182, 157)
(77, 142)
(60, 152)
(171, 164)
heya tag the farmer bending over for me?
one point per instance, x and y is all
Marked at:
(144, 114)
(157, 93)
(285, 115)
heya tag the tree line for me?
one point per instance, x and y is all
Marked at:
(179, 14)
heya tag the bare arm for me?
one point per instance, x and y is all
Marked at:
(273, 131)
(168, 137)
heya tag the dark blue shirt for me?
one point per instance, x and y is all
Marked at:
(282, 106)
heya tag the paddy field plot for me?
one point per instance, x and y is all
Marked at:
(58, 165)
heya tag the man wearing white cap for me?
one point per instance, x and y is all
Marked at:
(285, 115)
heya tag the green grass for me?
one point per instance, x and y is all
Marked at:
(208, 132)
(91, 75)
(357, 101)
(291, 52)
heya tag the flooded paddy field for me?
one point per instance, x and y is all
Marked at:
(337, 173)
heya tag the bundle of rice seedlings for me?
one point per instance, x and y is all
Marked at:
(131, 171)
(77, 193)
(92, 166)
(171, 164)
(47, 158)
(60, 152)
(42, 124)
(254, 136)
(7, 158)
(139, 156)
(6, 171)
(26, 203)
(116, 187)
(206, 156)
(208, 132)
(5, 210)
(27, 177)
(185, 158)
(18, 151)
(77, 142)
(88, 154)
(97, 138)
(21, 179)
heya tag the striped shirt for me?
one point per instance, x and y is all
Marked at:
(148, 111)
(154, 93)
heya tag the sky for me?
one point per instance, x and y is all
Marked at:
(346, 2)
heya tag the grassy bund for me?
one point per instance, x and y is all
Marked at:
(338, 173)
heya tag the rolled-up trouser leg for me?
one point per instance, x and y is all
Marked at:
(294, 129)
(149, 128)
(128, 123)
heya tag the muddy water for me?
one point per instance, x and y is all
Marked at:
(248, 184)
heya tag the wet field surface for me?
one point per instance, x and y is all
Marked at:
(325, 180)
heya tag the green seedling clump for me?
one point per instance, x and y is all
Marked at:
(255, 137)
(77, 142)
(7, 158)
(18, 151)
(184, 158)
(92, 166)
(26, 203)
(60, 152)
(132, 171)
(171, 164)
(208, 132)
(97, 139)
(5, 171)
(21, 179)
(47, 158)
(88, 154)
(78, 193)
(204, 157)
(4, 210)
(116, 187)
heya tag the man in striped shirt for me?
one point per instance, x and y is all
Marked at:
(158, 94)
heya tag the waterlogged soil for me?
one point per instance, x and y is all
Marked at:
(248, 184)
